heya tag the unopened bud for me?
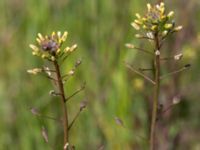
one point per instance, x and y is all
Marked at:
(78, 62)
(134, 25)
(154, 27)
(168, 26)
(53, 58)
(187, 65)
(178, 56)
(171, 14)
(138, 15)
(52, 93)
(149, 7)
(73, 48)
(83, 105)
(164, 33)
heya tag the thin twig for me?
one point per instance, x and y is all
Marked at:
(75, 118)
(35, 112)
(51, 118)
(51, 78)
(48, 70)
(167, 58)
(65, 57)
(139, 73)
(146, 69)
(142, 50)
(168, 108)
(174, 72)
(144, 37)
(75, 93)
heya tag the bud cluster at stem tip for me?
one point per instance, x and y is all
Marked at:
(49, 46)
(156, 20)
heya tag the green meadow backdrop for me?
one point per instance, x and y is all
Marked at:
(100, 28)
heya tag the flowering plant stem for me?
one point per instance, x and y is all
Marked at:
(63, 105)
(156, 91)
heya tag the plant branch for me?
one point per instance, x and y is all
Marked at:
(49, 117)
(139, 49)
(75, 118)
(75, 93)
(175, 72)
(146, 69)
(139, 73)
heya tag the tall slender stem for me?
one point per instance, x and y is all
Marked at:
(156, 91)
(64, 107)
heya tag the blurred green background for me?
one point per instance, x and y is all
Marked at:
(100, 28)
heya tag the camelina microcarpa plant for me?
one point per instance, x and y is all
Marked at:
(50, 49)
(155, 26)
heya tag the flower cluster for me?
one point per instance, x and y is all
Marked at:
(156, 20)
(49, 46)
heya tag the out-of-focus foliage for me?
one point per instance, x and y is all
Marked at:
(100, 28)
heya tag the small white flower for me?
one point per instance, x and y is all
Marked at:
(71, 72)
(157, 53)
(66, 146)
(178, 56)
(73, 48)
(176, 100)
(178, 28)
(128, 45)
(47, 70)
(150, 35)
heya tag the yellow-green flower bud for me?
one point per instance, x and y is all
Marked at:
(53, 58)
(149, 7)
(164, 33)
(138, 16)
(168, 26)
(134, 25)
(73, 48)
(154, 27)
(34, 48)
(137, 22)
(44, 56)
(144, 27)
(64, 37)
(40, 36)
(144, 19)
(170, 14)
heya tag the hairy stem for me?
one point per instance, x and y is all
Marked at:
(156, 92)
(64, 107)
